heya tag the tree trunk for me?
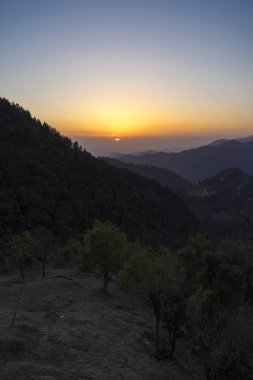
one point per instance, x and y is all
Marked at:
(17, 305)
(157, 331)
(43, 268)
(21, 268)
(173, 345)
(106, 280)
(154, 297)
(173, 323)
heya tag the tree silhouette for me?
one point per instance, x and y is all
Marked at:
(105, 246)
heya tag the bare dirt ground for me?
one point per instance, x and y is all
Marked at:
(66, 328)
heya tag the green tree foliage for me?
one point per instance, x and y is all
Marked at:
(73, 253)
(22, 248)
(221, 291)
(157, 277)
(241, 254)
(219, 285)
(106, 248)
(195, 250)
(174, 314)
(222, 276)
(232, 356)
(193, 256)
(44, 243)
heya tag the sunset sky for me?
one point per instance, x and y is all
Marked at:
(133, 70)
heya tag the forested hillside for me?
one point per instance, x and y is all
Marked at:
(164, 176)
(47, 180)
(224, 204)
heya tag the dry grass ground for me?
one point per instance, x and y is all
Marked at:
(66, 328)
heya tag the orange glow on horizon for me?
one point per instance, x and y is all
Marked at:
(173, 126)
(112, 118)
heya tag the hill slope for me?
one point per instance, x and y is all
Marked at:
(228, 184)
(197, 164)
(47, 180)
(67, 328)
(164, 176)
(224, 203)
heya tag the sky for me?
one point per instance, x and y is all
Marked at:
(130, 75)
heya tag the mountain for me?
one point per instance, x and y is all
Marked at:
(164, 176)
(224, 204)
(242, 140)
(47, 180)
(219, 142)
(197, 164)
(246, 139)
(229, 183)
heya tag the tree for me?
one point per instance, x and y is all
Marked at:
(105, 247)
(72, 252)
(174, 309)
(44, 245)
(157, 278)
(221, 280)
(22, 246)
(193, 259)
(2, 260)
(216, 299)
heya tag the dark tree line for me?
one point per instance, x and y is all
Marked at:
(201, 294)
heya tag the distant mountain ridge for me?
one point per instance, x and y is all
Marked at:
(242, 140)
(199, 163)
(164, 176)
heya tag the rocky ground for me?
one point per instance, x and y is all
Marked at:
(66, 328)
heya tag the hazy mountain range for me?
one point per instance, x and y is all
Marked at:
(205, 161)
(242, 140)
(166, 177)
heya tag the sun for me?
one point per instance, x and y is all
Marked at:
(118, 120)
